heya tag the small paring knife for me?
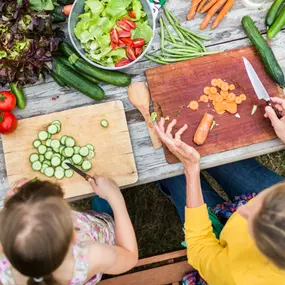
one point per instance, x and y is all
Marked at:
(258, 87)
(80, 172)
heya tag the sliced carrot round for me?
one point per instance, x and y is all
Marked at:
(220, 81)
(224, 94)
(193, 105)
(221, 112)
(243, 97)
(238, 100)
(214, 82)
(231, 97)
(213, 90)
(204, 98)
(225, 86)
(231, 107)
(232, 87)
(219, 99)
(207, 90)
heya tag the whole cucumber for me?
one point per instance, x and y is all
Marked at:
(19, 93)
(57, 79)
(273, 12)
(270, 62)
(78, 82)
(278, 24)
(112, 77)
(65, 61)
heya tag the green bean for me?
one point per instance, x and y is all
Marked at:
(181, 46)
(200, 43)
(179, 51)
(173, 59)
(155, 59)
(194, 34)
(161, 33)
(176, 56)
(172, 16)
(193, 43)
(178, 39)
(168, 31)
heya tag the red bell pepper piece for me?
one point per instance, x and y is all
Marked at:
(122, 62)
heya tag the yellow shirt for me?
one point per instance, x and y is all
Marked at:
(232, 260)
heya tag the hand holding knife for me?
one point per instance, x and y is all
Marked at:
(258, 87)
(80, 172)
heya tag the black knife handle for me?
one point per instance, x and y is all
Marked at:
(278, 113)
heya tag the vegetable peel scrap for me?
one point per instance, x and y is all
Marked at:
(153, 116)
(237, 115)
(254, 108)
(213, 125)
(167, 118)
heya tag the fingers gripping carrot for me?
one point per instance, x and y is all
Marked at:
(208, 6)
(203, 129)
(202, 3)
(193, 9)
(211, 13)
(223, 13)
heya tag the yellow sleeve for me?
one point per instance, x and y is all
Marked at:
(204, 251)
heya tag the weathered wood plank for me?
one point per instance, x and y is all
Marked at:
(151, 164)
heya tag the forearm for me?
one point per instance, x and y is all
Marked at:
(194, 196)
(124, 231)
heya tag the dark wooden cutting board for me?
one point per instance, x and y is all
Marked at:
(173, 86)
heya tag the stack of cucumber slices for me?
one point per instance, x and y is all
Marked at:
(52, 154)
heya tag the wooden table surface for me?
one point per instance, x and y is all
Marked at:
(47, 97)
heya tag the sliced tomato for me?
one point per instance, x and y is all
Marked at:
(138, 43)
(131, 53)
(114, 45)
(121, 44)
(132, 14)
(124, 34)
(123, 25)
(138, 51)
(131, 23)
(122, 62)
(127, 41)
(114, 36)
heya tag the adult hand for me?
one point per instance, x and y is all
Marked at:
(185, 153)
(14, 188)
(106, 188)
(278, 124)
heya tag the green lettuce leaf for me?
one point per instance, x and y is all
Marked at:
(117, 7)
(41, 5)
(95, 6)
(143, 30)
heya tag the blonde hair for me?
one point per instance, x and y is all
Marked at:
(269, 226)
(36, 230)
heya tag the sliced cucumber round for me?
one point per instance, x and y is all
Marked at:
(52, 129)
(86, 165)
(91, 154)
(63, 139)
(47, 162)
(41, 158)
(43, 135)
(68, 151)
(104, 123)
(49, 172)
(77, 159)
(55, 161)
(68, 173)
(59, 173)
(70, 142)
(34, 157)
(90, 146)
(76, 149)
(84, 151)
(65, 166)
(48, 142)
(55, 144)
(56, 122)
(36, 165)
(37, 143)
(48, 155)
(42, 149)
(44, 166)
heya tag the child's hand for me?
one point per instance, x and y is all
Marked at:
(278, 124)
(15, 187)
(106, 188)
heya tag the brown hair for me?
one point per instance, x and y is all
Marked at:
(269, 226)
(36, 230)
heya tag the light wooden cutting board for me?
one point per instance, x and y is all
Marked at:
(114, 155)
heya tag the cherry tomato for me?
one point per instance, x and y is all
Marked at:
(131, 53)
(127, 41)
(138, 43)
(122, 62)
(124, 34)
(132, 24)
(121, 44)
(8, 123)
(123, 25)
(132, 14)
(138, 51)
(114, 36)
(114, 46)
(7, 101)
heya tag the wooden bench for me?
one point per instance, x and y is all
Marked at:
(168, 268)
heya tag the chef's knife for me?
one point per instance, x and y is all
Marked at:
(258, 87)
(80, 172)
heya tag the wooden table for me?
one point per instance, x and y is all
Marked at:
(47, 97)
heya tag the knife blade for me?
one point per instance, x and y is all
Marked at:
(258, 87)
(78, 171)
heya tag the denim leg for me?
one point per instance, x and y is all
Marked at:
(101, 206)
(175, 189)
(243, 177)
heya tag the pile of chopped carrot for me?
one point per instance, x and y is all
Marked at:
(222, 96)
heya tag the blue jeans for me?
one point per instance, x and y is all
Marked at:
(242, 177)
(100, 205)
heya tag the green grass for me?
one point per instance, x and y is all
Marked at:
(156, 222)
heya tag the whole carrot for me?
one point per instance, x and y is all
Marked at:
(203, 129)
(208, 6)
(193, 9)
(223, 13)
(201, 5)
(211, 13)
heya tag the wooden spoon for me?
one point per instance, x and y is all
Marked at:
(140, 98)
